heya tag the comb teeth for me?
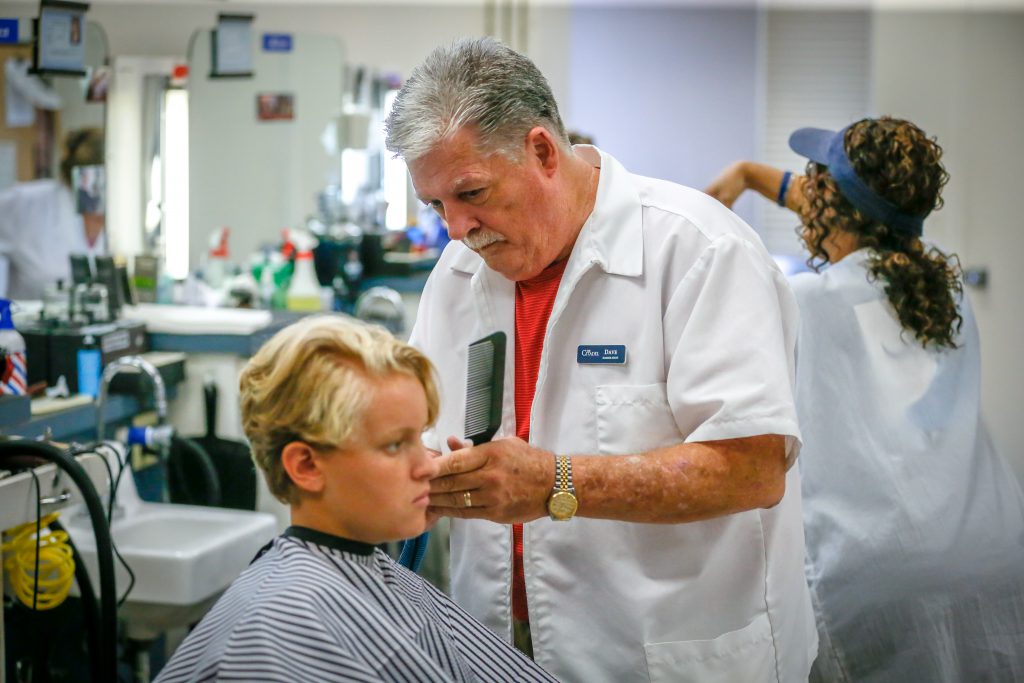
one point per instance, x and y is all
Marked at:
(480, 367)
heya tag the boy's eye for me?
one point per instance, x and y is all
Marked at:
(393, 447)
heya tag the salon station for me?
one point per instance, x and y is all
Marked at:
(181, 181)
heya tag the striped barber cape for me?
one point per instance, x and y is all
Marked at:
(315, 607)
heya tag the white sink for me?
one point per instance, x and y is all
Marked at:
(183, 556)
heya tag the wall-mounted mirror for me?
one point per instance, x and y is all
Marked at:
(42, 223)
(39, 111)
(260, 149)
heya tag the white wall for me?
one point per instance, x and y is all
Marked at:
(389, 37)
(958, 76)
(670, 92)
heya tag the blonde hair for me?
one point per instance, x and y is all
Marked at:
(311, 382)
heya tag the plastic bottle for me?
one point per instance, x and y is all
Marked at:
(304, 290)
(266, 281)
(89, 363)
(13, 370)
(215, 270)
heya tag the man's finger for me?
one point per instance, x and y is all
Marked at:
(455, 443)
(460, 461)
(455, 482)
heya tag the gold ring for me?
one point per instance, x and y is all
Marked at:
(467, 498)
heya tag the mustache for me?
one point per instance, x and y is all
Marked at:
(480, 238)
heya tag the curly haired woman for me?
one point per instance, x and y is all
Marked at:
(914, 524)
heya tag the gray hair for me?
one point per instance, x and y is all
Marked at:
(474, 82)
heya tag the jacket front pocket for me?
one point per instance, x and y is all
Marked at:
(632, 418)
(746, 655)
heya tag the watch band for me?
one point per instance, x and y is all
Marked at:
(563, 472)
(563, 503)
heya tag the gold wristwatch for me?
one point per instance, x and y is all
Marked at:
(563, 503)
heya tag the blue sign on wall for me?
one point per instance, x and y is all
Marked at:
(277, 42)
(8, 30)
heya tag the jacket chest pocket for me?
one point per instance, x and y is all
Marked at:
(632, 418)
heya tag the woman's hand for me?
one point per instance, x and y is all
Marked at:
(729, 184)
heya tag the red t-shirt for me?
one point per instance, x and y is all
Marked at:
(534, 301)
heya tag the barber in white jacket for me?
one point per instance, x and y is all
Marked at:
(42, 223)
(637, 516)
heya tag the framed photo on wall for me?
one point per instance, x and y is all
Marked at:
(275, 106)
(59, 46)
(232, 47)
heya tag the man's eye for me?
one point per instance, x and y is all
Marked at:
(471, 194)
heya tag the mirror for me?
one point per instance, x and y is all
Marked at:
(31, 136)
(39, 225)
(260, 149)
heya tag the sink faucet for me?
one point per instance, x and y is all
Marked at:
(117, 366)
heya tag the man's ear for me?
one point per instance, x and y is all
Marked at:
(540, 145)
(303, 467)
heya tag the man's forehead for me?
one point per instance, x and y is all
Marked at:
(449, 178)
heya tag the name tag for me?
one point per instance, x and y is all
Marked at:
(601, 355)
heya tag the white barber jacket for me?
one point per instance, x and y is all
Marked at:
(39, 230)
(915, 524)
(709, 326)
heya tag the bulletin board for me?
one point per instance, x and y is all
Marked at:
(28, 150)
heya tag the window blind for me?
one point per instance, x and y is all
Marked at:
(816, 73)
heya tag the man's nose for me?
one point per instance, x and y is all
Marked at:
(460, 222)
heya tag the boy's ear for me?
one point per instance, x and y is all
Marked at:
(303, 467)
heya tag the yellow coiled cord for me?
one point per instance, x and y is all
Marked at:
(56, 563)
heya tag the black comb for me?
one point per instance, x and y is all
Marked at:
(485, 383)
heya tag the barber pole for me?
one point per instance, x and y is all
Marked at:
(13, 373)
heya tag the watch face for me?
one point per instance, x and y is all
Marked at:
(562, 505)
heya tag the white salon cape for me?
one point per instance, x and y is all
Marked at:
(914, 524)
(709, 325)
(39, 230)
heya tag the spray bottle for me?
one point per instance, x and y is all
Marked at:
(304, 290)
(13, 370)
(215, 271)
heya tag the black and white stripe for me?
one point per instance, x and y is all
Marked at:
(306, 611)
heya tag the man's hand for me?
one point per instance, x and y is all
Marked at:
(508, 481)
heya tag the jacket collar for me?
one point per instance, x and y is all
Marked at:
(612, 237)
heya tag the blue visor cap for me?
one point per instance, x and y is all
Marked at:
(826, 147)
